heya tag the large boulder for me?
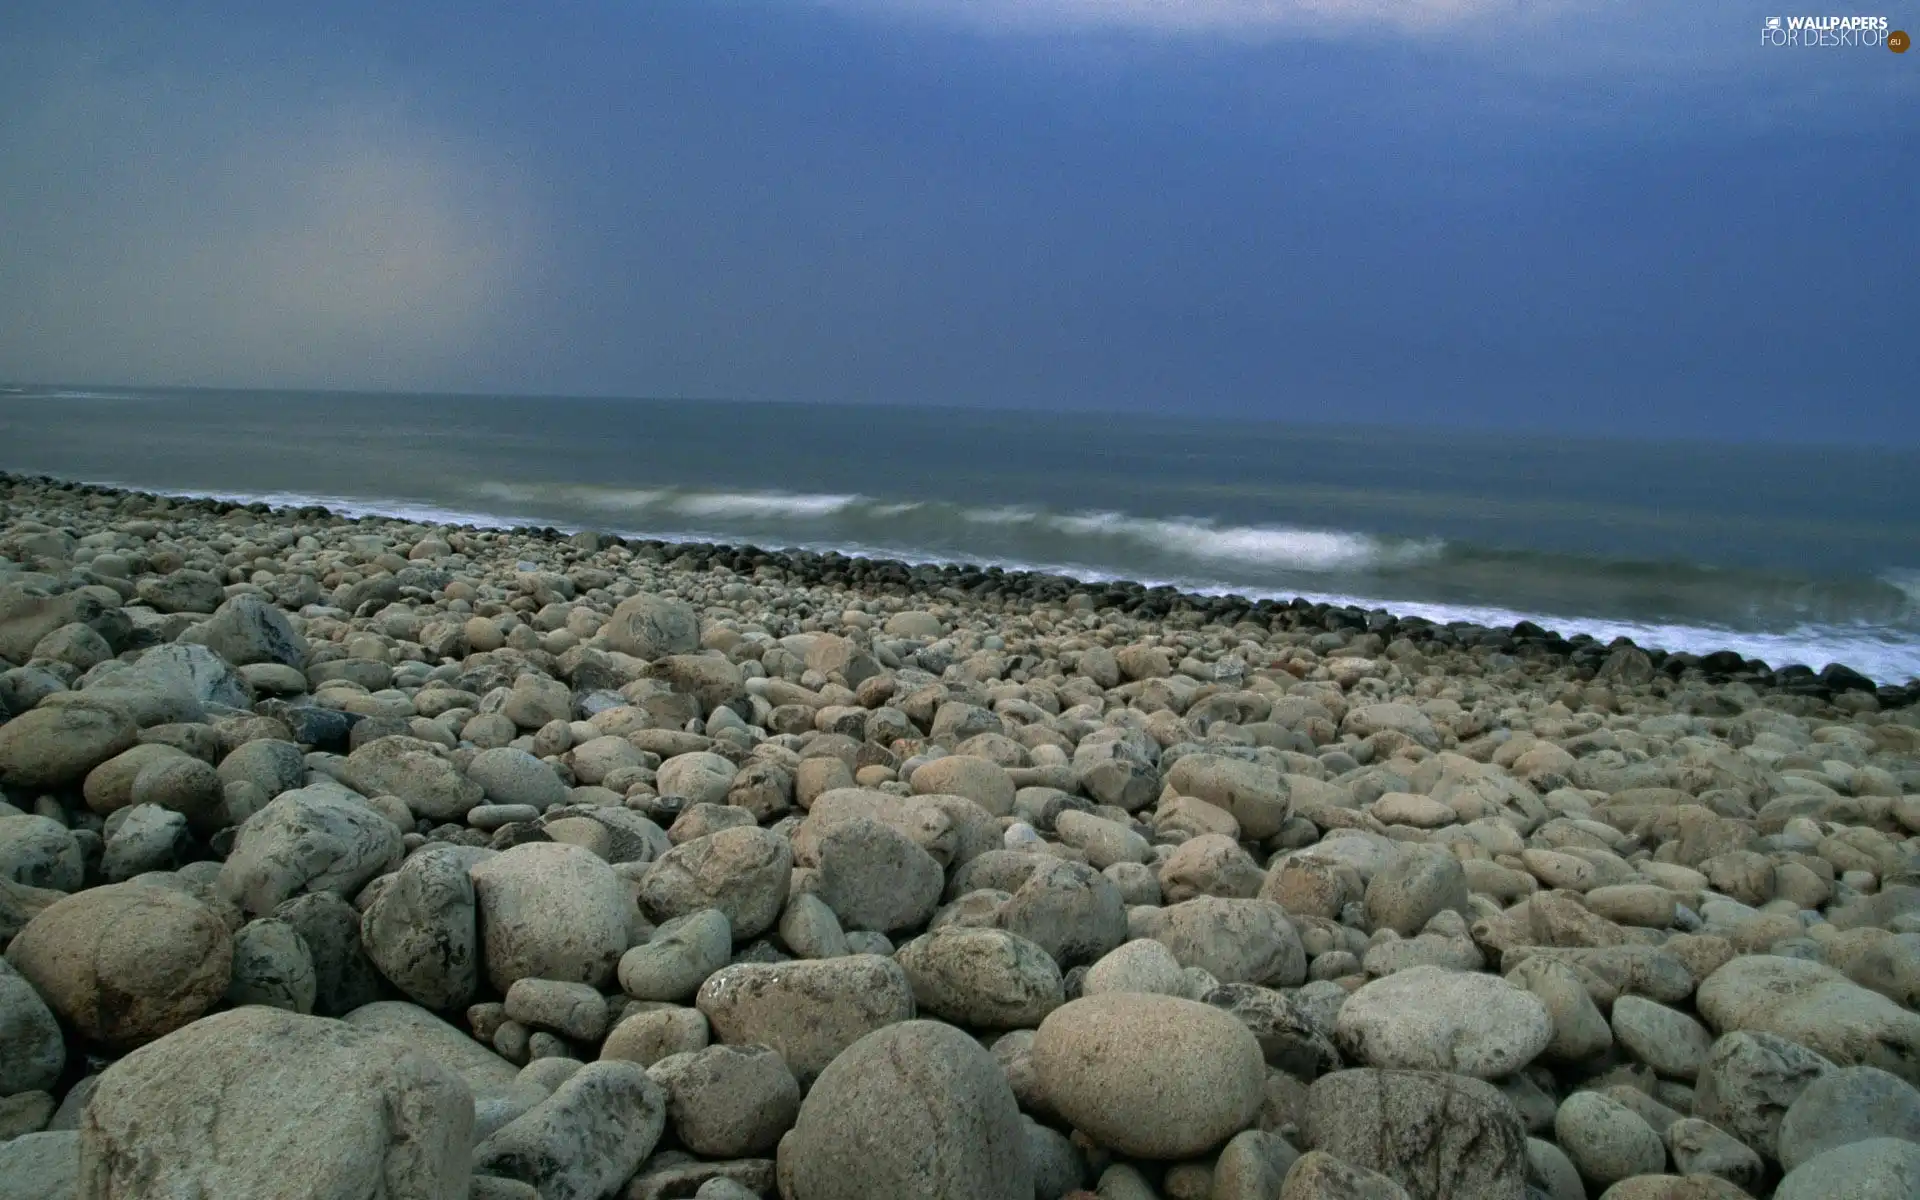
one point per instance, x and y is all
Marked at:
(247, 1102)
(1816, 1006)
(411, 769)
(652, 627)
(1430, 1018)
(549, 910)
(1149, 1076)
(422, 931)
(126, 963)
(915, 1109)
(809, 1010)
(313, 840)
(56, 746)
(1436, 1135)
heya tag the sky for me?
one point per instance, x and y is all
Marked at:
(1619, 217)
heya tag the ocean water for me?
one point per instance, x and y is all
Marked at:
(1805, 554)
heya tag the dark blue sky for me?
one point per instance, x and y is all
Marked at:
(1611, 217)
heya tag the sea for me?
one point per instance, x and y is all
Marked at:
(1803, 554)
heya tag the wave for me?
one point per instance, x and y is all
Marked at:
(1871, 625)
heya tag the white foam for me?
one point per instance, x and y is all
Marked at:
(1009, 514)
(761, 504)
(1268, 546)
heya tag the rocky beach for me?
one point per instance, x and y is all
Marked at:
(357, 858)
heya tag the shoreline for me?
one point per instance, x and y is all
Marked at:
(979, 582)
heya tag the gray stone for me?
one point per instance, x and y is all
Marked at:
(271, 766)
(1318, 1175)
(585, 1140)
(1283, 1023)
(1436, 1135)
(40, 852)
(414, 1028)
(344, 977)
(652, 627)
(510, 776)
(808, 1010)
(982, 978)
(1669, 1041)
(243, 1102)
(656, 1032)
(1849, 1105)
(190, 788)
(246, 629)
(745, 872)
(550, 911)
(678, 958)
(1256, 795)
(32, 1050)
(1816, 1006)
(412, 770)
(1749, 1081)
(1432, 1019)
(1235, 941)
(874, 877)
(421, 931)
(272, 966)
(1413, 888)
(41, 1166)
(729, 1101)
(916, 1109)
(310, 840)
(1877, 1169)
(573, 1010)
(146, 838)
(1069, 910)
(1701, 1148)
(1606, 1140)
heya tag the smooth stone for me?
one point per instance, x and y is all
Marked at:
(915, 1109)
(1149, 1076)
(244, 1101)
(1432, 1019)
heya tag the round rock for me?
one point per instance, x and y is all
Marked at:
(128, 962)
(1150, 1076)
(982, 978)
(1433, 1019)
(916, 1109)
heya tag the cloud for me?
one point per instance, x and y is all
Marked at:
(220, 226)
(1237, 18)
